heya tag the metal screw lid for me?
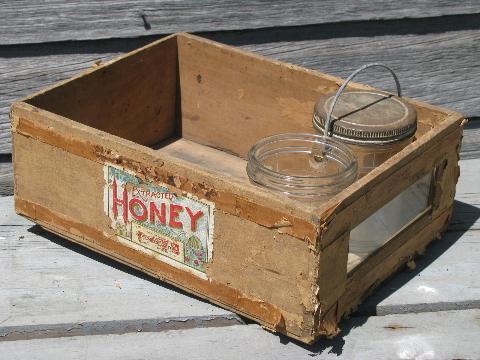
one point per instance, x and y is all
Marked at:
(365, 116)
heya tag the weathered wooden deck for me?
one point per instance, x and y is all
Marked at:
(58, 300)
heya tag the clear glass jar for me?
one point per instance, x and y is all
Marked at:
(306, 167)
(376, 125)
(370, 156)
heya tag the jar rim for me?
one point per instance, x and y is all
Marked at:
(320, 139)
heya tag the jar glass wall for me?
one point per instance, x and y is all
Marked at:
(307, 167)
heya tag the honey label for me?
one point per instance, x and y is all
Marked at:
(176, 228)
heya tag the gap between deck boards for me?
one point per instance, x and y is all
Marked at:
(464, 225)
(116, 327)
(418, 49)
(124, 326)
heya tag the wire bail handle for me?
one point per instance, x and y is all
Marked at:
(328, 120)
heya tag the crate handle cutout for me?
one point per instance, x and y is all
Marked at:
(344, 85)
(390, 220)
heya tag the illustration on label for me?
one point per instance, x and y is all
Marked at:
(176, 229)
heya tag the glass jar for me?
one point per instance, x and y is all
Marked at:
(376, 125)
(306, 167)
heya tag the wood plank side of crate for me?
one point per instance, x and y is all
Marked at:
(389, 259)
(135, 99)
(440, 159)
(262, 96)
(382, 184)
(53, 143)
(242, 277)
(237, 200)
(241, 199)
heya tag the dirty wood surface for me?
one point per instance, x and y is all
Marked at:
(66, 294)
(43, 289)
(436, 58)
(56, 295)
(434, 335)
(470, 150)
(56, 20)
(446, 276)
(6, 178)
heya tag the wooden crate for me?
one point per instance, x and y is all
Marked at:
(174, 120)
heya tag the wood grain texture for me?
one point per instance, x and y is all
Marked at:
(445, 278)
(6, 179)
(56, 20)
(471, 139)
(134, 99)
(27, 69)
(440, 68)
(41, 286)
(8, 217)
(439, 335)
(466, 212)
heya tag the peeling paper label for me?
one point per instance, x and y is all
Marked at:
(174, 228)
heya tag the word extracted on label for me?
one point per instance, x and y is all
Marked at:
(176, 229)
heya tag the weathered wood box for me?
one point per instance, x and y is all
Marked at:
(143, 159)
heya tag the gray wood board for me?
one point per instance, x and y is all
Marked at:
(440, 68)
(47, 281)
(446, 276)
(57, 20)
(8, 217)
(466, 212)
(440, 335)
(29, 68)
(6, 179)
(43, 292)
(471, 139)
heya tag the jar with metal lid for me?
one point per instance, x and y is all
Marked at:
(307, 167)
(376, 125)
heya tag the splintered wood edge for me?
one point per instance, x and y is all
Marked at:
(306, 225)
(258, 310)
(393, 257)
(95, 68)
(361, 187)
(265, 208)
(406, 244)
(56, 130)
